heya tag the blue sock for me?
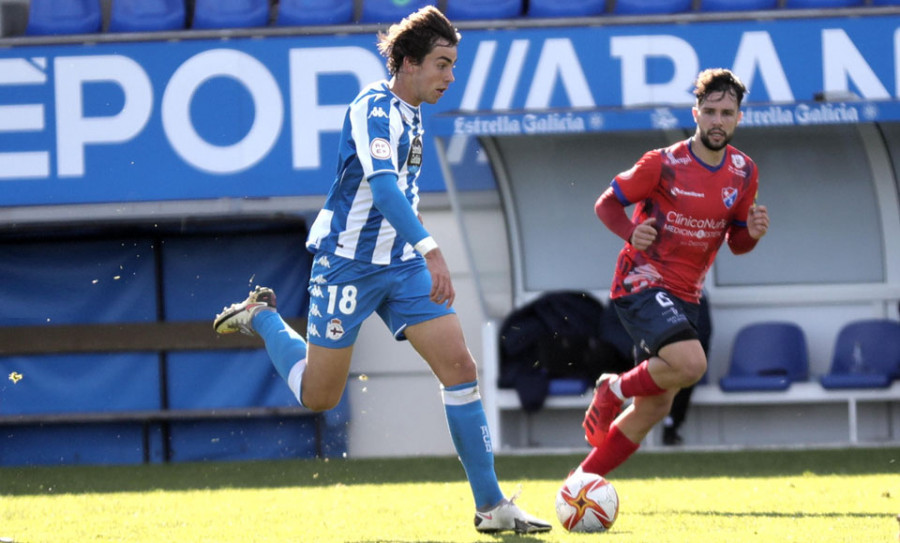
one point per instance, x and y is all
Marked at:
(286, 348)
(472, 439)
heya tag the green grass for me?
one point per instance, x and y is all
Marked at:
(816, 496)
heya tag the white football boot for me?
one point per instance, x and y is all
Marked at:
(506, 516)
(236, 317)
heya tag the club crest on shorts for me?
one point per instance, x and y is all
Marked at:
(335, 329)
(729, 195)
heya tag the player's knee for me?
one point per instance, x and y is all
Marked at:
(692, 372)
(320, 402)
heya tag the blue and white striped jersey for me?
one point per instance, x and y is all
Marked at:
(381, 133)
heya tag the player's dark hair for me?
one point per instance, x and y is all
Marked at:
(415, 36)
(715, 80)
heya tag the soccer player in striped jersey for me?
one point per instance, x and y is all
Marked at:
(689, 198)
(374, 255)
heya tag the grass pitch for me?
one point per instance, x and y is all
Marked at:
(816, 496)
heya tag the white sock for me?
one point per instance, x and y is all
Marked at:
(616, 388)
(295, 379)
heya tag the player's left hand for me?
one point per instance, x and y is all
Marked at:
(758, 221)
(441, 286)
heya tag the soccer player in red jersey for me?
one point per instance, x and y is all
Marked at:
(690, 198)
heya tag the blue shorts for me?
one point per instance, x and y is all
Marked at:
(343, 293)
(654, 318)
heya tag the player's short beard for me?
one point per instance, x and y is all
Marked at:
(704, 138)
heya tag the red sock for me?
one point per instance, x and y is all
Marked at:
(638, 382)
(616, 448)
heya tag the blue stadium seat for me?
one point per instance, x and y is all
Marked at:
(818, 4)
(51, 17)
(650, 7)
(566, 8)
(483, 9)
(767, 356)
(230, 13)
(866, 355)
(738, 5)
(390, 11)
(146, 15)
(314, 12)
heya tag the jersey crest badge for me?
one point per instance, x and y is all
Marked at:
(415, 155)
(738, 161)
(729, 196)
(334, 330)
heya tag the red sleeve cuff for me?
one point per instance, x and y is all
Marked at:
(739, 240)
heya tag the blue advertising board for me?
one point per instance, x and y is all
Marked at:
(259, 117)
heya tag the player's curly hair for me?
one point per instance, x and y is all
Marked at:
(415, 37)
(715, 80)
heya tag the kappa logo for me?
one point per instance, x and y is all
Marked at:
(312, 331)
(323, 261)
(335, 329)
(729, 195)
(314, 310)
(316, 292)
(377, 112)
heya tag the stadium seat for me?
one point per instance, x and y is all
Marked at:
(230, 13)
(866, 355)
(483, 9)
(51, 17)
(566, 8)
(738, 5)
(650, 7)
(767, 356)
(314, 12)
(390, 11)
(146, 15)
(819, 4)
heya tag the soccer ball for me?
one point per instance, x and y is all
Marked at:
(587, 503)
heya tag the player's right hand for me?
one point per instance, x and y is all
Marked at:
(644, 234)
(442, 291)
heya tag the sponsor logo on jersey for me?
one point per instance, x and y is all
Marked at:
(415, 155)
(318, 280)
(380, 149)
(738, 161)
(335, 329)
(729, 195)
(672, 159)
(316, 292)
(312, 331)
(681, 192)
(314, 310)
(377, 112)
(323, 261)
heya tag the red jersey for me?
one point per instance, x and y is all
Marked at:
(695, 206)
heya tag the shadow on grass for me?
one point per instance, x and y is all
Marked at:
(318, 473)
(499, 538)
